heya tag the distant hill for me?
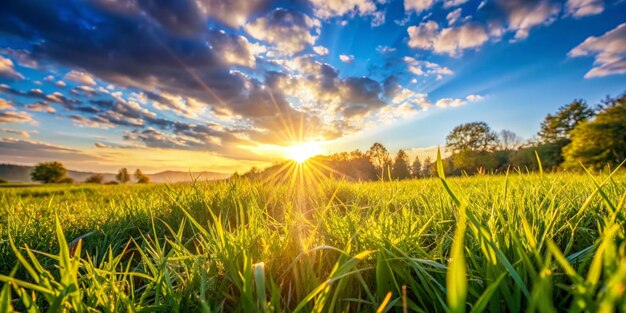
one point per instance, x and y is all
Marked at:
(21, 173)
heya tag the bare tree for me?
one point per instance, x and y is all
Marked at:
(509, 140)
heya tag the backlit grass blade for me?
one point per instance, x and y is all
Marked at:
(456, 277)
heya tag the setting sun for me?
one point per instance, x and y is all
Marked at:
(303, 151)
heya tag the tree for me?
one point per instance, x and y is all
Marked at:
(426, 168)
(48, 172)
(599, 142)
(472, 162)
(556, 128)
(555, 131)
(416, 168)
(379, 157)
(509, 140)
(123, 176)
(141, 178)
(400, 168)
(475, 136)
(95, 179)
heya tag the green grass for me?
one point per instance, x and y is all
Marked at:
(526, 242)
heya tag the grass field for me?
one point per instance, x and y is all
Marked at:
(526, 242)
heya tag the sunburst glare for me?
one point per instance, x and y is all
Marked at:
(303, 151)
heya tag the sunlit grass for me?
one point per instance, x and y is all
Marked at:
(526, 242)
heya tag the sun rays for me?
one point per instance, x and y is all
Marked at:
(304, 151)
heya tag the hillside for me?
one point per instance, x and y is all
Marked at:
(21, 173)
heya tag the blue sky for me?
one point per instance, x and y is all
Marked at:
(226, 85)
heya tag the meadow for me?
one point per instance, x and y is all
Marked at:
(516, 242)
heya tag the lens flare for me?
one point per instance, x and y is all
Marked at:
(304, 151)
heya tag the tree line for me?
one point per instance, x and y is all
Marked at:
(55, 172)
(575, 134)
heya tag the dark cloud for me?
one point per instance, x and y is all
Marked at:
(55, 97)
(41, 106)
(360, 96)
(28, 151)
(15, 117)
(175, 55)
(187, 17)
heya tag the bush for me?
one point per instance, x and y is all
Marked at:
(143, 180)
(95, 179)
(66, 180)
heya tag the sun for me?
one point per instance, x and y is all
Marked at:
(303, 151)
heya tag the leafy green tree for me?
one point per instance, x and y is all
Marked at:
(95, 179)
(555, 131)
(601, 141)
(141, 178)
(48, 172)
(379, 157)
(475, 136)
(400, 168)
(556, 128)
(472, 162)
(123, 176)
(416, 168)
(471, 145)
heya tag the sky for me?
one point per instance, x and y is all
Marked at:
(226, 85)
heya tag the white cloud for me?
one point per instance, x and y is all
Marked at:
(290, 31)
(457, 102)
(60, 84)
(453, 3)
(7, 70)
(4, 104)
(331, 8)
(385, 49)
(580, 8)
(524, 15)
(451, 40)
(378, 18)
(21, 57)
(321, 50)
(609, 51)
(453, 16)
(407, 96)
(346, 58)
(418, 6)
(81, 77)
(474, 98)
(449, 102)
(426, 68)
